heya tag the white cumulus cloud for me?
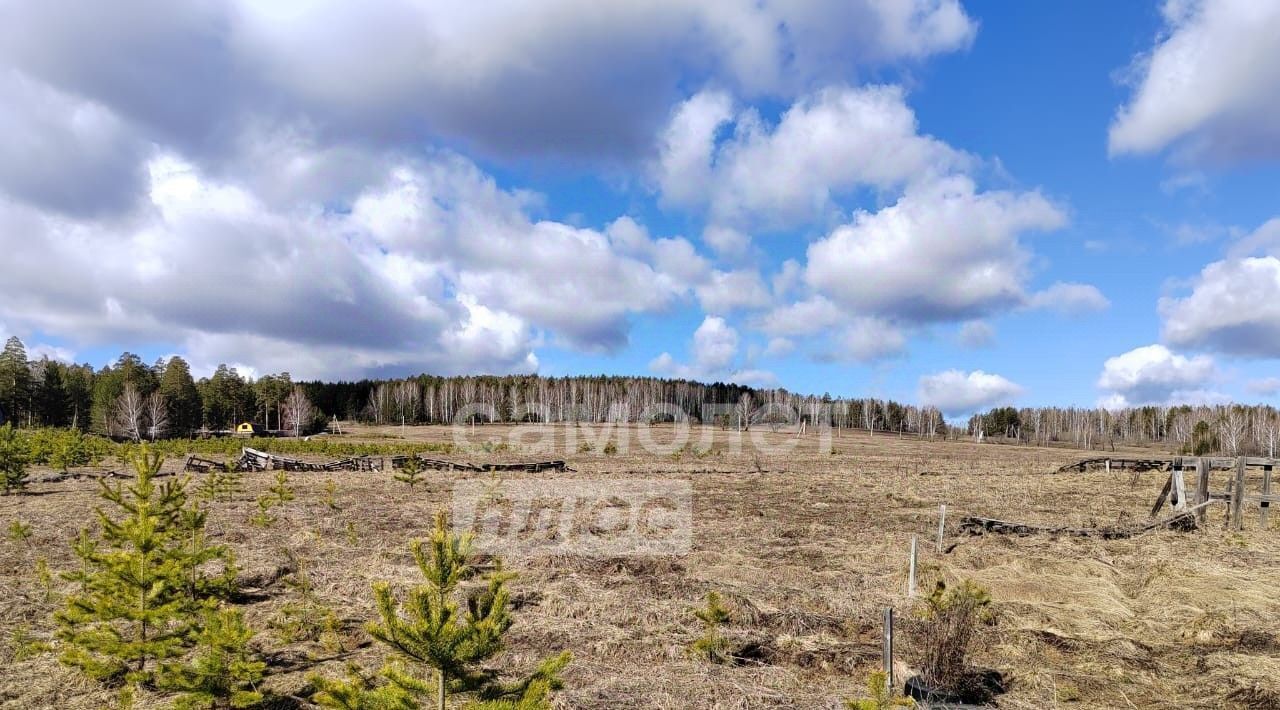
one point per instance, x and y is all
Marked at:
(1153, 374)
(957, 393)
(1211, 85)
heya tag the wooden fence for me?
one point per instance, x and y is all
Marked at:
(1241, 474)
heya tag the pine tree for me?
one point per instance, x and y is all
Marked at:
(409, 472)
(13, 461)
(880, 695)
(431, 630)
(70, 450)
(15, 382)
(179, 390)
(224, 673)
(137, 606)
(281, 490)
(712, 645)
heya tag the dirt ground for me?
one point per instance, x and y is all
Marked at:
(808, 547)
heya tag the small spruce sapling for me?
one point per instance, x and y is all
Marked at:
(13, 461)
(712, 645)
(224, 672)
(879, 695)
(69, 451)
(281, 489)
(410, 472)
(20, 531)
(136, 608)
(431, 630)
(330, 498)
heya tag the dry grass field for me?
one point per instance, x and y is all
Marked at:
(807, 547)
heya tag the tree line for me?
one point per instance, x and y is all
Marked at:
(132, 400)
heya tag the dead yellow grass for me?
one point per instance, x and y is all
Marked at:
(807, 549)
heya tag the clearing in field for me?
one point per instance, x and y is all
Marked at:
(804, 548)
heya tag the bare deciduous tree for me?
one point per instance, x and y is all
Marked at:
(129, 412)
(156, 408)
(1232, 427)
(297, 411)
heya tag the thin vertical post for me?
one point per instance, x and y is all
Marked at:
(942, 522)
(1108, 467)
(887, 651)
(911, 570)
(1202, 489)
(1237, 496)
(1179, 487)
(1265, 505)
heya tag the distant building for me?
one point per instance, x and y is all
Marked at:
(249, 429)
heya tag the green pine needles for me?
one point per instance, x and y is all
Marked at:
(144, 594)
(712, 645)
(13, 461)
(223, 671)
(432, 630)
(410, 472)
(879, 695)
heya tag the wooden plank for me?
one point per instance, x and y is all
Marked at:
(1237, 497)
(1202, 487)
(1179, 490)
(1164, 493)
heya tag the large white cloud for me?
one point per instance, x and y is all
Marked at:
(434, 267)
(585, 80)
(944, 251)
(826, 145)
(1211, 85)
(1233, 307)
(1153, 374)
(957, 393)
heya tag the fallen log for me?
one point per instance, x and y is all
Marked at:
(443, 465)
(1184, 521)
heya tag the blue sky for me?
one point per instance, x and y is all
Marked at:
(964, 204)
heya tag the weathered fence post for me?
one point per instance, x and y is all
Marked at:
(1202, 489)
(887, 652)
(1179, 486)
(942, 524)
(911, 569)
(1108, 467)
(1265, 505)
(1237, 496)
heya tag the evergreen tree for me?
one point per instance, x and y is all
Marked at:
(879, 695)
(431, 630)
(15, 382)
(712, 645)
(77, 383)
(13, 460)
(52, 407)
(224, 673)
(136, 608)
(69, 450)
(227, 398)
(409, 472)
(179, 390)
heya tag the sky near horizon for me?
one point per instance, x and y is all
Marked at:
(965, 204)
